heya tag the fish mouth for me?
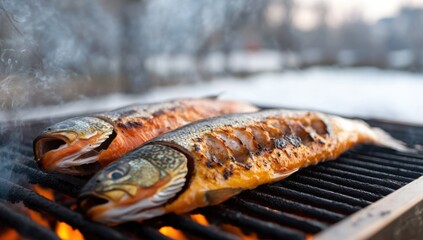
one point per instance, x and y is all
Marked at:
(49, 142)
(94, 206)
(126, 203)
(65, 152)
(89, 201)
(111, 207)
(119, 206)
(85, 169)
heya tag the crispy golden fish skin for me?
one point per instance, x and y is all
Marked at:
(83, 145)
(222, 157)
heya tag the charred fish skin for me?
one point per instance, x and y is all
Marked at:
(242, 151)
(93, 142)
(228, 154)
(135, 125)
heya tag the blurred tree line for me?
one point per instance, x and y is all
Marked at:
(132, 45)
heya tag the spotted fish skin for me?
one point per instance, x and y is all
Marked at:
(134, 125)
(83, 145)
(235, 152)
(208, 161)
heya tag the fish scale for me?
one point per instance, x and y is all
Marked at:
(110, 135)
(303, 138)
(229, 154)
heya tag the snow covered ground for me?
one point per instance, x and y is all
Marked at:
(355, 92)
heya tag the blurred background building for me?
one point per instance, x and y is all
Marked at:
(53, 52)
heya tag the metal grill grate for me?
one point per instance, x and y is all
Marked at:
(306, 203)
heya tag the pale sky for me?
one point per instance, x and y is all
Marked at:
(371, 10)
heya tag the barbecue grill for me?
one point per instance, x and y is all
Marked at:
(369, 192)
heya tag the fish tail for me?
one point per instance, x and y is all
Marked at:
(374, 135)
(384, 139)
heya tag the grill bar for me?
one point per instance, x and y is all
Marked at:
(189, 225)
(359, 185)
(382, 168)
(369, 150)
(356, 193)
(143, 231)
(308, 202)
(266, 229)
(25, 226)
(310, 199)
(15, 193)
(397, 216)
(294, 207)
(372, 173)
(336, 196)
(293, 221)
(37, 177)
(359, 177)
(402, 163)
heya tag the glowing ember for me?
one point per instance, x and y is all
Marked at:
(45, 192)
(238, 232)
(63, 230)
(66, 232)
(10, 234)
(172, 233)
(199, 218)
(36, 216)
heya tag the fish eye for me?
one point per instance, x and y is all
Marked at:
(115, 173)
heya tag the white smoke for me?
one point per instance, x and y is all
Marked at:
(43, 44)
(54, 51)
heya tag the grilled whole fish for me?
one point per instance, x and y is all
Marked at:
(83, 145)
(207, 162)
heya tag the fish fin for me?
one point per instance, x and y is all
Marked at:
(214, 197)
(383, 139)
(418, 147)
(373, 135)
(213, 96)
(283, 175)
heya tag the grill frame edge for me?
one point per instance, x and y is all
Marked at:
(399, 215)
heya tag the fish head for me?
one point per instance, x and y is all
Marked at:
(136, 187)
(72, 146)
